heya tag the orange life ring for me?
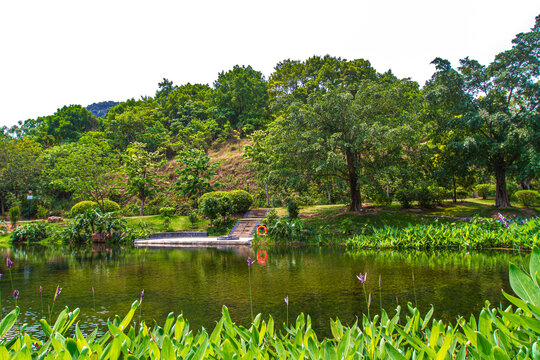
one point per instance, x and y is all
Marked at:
(262, 256)
(265, 230)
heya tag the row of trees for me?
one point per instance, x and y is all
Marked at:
(344, 122)
(323, 123)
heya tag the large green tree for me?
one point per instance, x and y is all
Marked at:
(495, 107)
(20, 167)
(352, 137)
(141, 168)
(241, 97)
(67, 124)
(88, 168)
(195, 173)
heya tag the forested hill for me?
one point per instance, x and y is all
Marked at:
(100, 109)
(324, 129)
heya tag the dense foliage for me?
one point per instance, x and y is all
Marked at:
(324, 129)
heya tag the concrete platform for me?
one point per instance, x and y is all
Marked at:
(191, 242)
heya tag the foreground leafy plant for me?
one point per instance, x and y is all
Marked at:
(495, 334)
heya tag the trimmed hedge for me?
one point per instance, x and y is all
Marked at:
(82, 206)
(241, 200)
(527, 197)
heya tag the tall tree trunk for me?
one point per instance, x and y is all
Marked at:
(329, 196)
(356, 200)
(2, 205)
(141, 211)
(454, 195)
(267, 195)
(501, 193)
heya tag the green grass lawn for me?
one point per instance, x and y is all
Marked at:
(154, 223)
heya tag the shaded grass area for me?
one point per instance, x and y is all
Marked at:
(338, 221)
(154, 223)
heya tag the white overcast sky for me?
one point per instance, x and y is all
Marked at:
(60, 52)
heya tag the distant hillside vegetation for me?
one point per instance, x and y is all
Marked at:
(101, 109)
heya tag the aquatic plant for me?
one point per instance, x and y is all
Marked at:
(496, 333)
(467, 235)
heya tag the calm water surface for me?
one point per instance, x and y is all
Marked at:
(197, 282)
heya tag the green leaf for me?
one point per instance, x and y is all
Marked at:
(8, 321)
(393, 353)
(499, 354)
(523, 286)
(534, 263)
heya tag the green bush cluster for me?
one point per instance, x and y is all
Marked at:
(14, 213)
(240, 200)
(32, 232)
(496, 333)
(527, 197)
(167, 211)
(485, 190)
(426, 196)
(82, 206)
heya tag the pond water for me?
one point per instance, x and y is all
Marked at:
(320, 282)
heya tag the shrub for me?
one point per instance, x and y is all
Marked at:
(462, 194)
(82, 206)
(14, 214)
(214, 206)
(193, 217)
(425, 197)
(405, 197)
(30, 232)
(241, 200)
(3, 227)
(485, 190)
(167, 211)
(41, 212)
(527, 197)
(110, 206)
(293, 209)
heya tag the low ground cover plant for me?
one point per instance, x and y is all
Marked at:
(485, 233)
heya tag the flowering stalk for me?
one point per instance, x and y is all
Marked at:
(140, 304)
(15, 296)
(380, 294)
(9, 264)
(41, 296)
(287, 302)
(56, 295)
(250, 262)
(93, 299)
(362, 278)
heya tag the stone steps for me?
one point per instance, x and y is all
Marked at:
(246, 226)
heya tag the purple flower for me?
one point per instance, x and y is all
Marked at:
(142, 294)
(249, 261)
(40, 290)
(1, 276)
(287, 300)
(58, 291)
(92, 291)
(16, 294)
(362, 278)
(9, 263)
